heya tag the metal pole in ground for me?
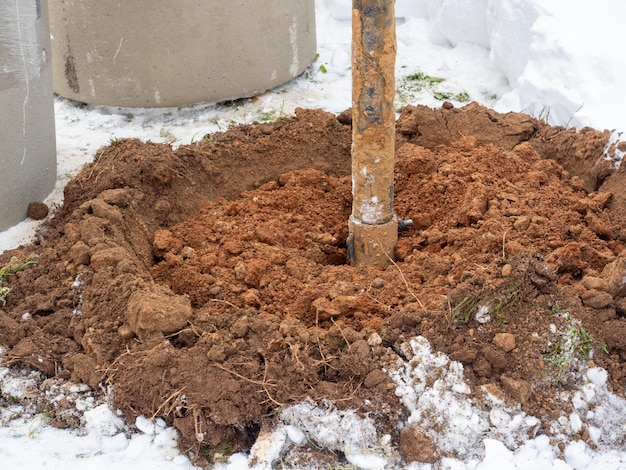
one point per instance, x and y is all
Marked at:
(373, 224)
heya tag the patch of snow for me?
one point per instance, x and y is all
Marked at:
(612, 150)
(434, 391)
(340, 430)
(482, 315)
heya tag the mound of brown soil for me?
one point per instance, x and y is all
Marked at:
(209, 285)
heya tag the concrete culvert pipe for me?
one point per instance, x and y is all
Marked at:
(27, 143)
(150, 53)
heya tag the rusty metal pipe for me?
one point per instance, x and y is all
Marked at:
(373, 224)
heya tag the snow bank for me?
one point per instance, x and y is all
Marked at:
(555, 68)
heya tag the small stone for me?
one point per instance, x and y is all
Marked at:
(518, 389)
(614, 274)
(375, 378)
(158, 309)
(240, 271)
(215, 290)
(107, 257)
(324, 309)
(567, 259)
(596, 299)
(504, 341)
(374, 340)
(187, 252)
(125, 331)
(240, 327)
(216, 353)
(120, 197)
(251, 298)
(346, 303)
(522, 223)
(101, 209)
(415, 446)
(544, 271)
(507, 269)
(595, 283)
(37, 210)
(378, 283)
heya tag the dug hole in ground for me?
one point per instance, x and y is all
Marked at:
(209, 286)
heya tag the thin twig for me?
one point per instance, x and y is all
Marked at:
(109, 371)
(263, 383)
(351, 396)
(406, 284)
(294, 348)
(341, 331)
(371, 297)
(269, 395)
(503, 243)
(224, 302)
(172, 398)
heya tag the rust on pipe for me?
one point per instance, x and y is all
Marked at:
(373, 224)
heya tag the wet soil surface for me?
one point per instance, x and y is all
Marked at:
(210, 284)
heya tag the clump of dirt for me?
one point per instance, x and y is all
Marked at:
(210, 284)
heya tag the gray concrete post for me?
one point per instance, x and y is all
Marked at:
(150, 53)
(27, 133)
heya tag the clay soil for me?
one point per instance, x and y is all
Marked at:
(210, 285)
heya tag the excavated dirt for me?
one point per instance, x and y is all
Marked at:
(210, 284)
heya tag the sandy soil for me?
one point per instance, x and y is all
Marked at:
(209, 284)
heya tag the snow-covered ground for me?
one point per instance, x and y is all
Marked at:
(558, 60)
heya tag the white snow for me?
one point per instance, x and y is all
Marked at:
(559, 60)
(433, 389)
